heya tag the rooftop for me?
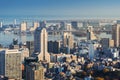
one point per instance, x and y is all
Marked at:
(12, 51)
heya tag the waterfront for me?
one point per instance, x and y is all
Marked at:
(6, 38)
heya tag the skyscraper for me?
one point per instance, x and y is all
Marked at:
(54, 47)
(41, 45)
(107, 43)
(23, 26)
(34, 71)
(30, 46)
(91, 51)
(43, 24)
(35, 25)
(10, 64)
(68, 40)
(116, 34)
(68, 27)
(62, 25)
(74, 24)
(90, 34)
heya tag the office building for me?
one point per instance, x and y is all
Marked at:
(62, 25)
(68, 40)
(107, 43)
(41, 44)
(116, 34)
(35, 25)
(24, 53)
(54, 47)
(30, 46)
(68, 27)
(74, 24)
(34, 71)
(23, 27)
(43, 24)
(92, 49)
(90, 34)
(10, 64)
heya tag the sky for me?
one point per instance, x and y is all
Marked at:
(80, 8)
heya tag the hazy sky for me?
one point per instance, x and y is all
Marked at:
(81, 8)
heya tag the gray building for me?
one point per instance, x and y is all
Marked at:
(43, 24)
(10, 64)
(54, 47)
(30, 46)
(34, 71)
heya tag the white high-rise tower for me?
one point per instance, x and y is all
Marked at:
(40, 44)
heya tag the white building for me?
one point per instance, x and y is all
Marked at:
(41, 44)
(10, 64)
(68, 27)
(36, 24)
(68, 40)
(23, 27)
(24, 53)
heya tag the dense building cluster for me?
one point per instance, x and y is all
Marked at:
(67, 58)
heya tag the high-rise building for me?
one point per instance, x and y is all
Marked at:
(91, 51)
(68, 40)
(41, 44)
(107, 43)
(90, 34)
(43, 24)
(24, 53)
(68, 27)
(23, 26)
(30, 46)
(34, 71)
(10, 64)
(92, 47)
(74, 24)
(116, 34)
(54, 47)
(62, 25)
(35, 25)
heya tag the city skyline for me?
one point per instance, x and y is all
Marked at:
(61, 8)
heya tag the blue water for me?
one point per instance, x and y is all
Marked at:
(7, 38)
